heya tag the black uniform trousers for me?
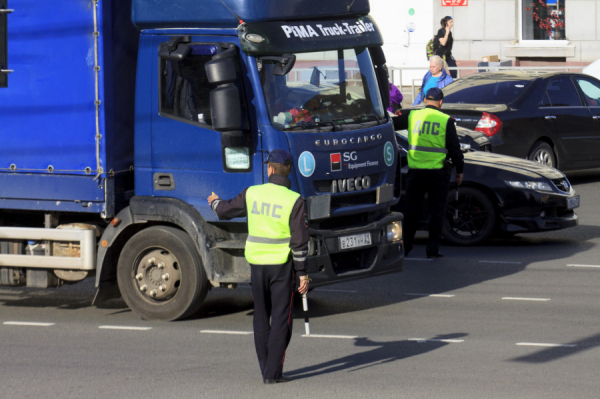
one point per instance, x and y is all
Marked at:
(434, 183)
(273, 290)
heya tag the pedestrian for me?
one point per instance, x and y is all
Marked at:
(446, 40)
(396, 96)
(436, 77)
(432, 138)
(277, 239)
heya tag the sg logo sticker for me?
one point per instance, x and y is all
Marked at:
(388, 154)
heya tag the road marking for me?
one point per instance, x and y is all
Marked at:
(431, 295)
(510, 298)
(425, 259)
(325, 290)
(27, 323)
(545, 345)
(226, 332)
(423, 340)
(499, 261)
(125, 328)
(330, 336)
(594, 266)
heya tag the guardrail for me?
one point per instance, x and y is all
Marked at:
(397, 71)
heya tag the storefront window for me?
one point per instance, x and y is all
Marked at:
(543, 19)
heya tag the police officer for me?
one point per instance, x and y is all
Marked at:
(431, 139)
(277, 233)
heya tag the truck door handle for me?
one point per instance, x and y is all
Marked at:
(164, 182)
(6, 71)
(5, 11)
(550, 117)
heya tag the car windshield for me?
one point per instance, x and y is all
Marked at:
(326, 88)
(485, 91)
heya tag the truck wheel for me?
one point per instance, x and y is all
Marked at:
(160, 274)
(476, 219)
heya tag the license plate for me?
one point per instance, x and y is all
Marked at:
(573, 202)
(355, 241)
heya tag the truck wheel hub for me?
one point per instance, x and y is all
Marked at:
(157, 275)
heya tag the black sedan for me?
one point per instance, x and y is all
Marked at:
(549, 117)
(501, 194)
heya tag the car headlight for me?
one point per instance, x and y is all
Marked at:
(530, 185)
(394, 232)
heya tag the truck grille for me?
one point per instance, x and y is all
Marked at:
(354, 260)
(362, 198)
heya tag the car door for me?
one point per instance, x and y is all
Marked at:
(568, 122)
(590, 90)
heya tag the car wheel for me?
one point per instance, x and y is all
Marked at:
(160, 274)
(470, 220)
(542, 153)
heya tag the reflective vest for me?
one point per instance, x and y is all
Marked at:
(427, 139)
(269, 208)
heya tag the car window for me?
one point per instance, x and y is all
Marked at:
(561, 92)
(485, 92)
(591, 91)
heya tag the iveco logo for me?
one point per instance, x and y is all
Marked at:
(352, 140)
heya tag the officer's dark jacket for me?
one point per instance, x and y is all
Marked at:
(452, 143)
(236, 207)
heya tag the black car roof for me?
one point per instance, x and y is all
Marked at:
(514, 75)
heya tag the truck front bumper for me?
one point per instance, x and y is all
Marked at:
(331, 263)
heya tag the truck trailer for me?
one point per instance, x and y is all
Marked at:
(118, 118)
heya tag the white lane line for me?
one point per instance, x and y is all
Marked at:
(226, 332)
(594, 266)
(430, 295)
(125, 328)
(425, 259)
(325, 290)
(330, 336)
(423, 340)
(545, 344)
(27, 323)
(499, 261)
(510, 298)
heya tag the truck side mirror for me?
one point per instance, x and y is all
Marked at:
(176, 49)
(284, 64)
(220, 71)
(225, 106)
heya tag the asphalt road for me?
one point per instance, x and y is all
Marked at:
(513, 319)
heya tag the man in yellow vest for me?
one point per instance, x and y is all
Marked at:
(277, 234)
(432, 138)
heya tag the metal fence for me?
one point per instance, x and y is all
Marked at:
(396, 73)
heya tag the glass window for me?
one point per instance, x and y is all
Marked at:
(335, 88)
(560, 92)
(590, 90)
(184, 87)
(485, 91)
(543, 19)
(3, 44)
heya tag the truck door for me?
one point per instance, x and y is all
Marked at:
(188, 158)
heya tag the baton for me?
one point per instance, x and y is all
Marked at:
(305, 306)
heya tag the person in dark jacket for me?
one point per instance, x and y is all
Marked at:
(277, 238)
(436, 77)
(446, 40)
(432, 138)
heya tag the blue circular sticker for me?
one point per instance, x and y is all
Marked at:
(388, 154)
(411, 27)
(306, 164)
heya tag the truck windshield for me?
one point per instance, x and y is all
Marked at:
(326, 88)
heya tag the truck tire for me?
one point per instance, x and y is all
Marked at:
(160, 274)
(476, 220)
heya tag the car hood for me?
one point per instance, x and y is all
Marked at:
(519, 165)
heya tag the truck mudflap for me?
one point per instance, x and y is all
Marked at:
(353, 253)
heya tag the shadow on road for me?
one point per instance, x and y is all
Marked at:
(558, 352)
(381, 353)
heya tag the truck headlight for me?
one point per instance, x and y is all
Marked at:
(530, 185)
(394, 232)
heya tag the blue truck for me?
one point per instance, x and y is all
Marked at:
(118, 119)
